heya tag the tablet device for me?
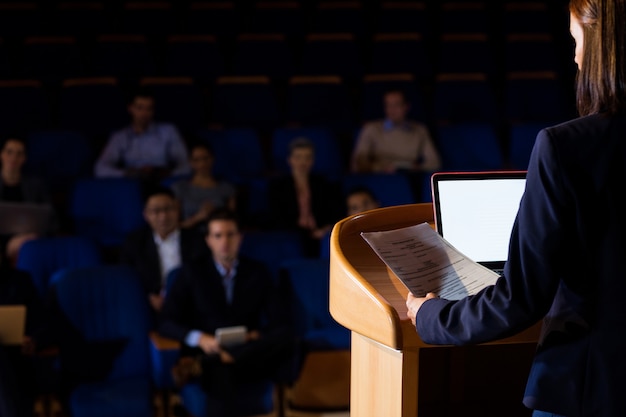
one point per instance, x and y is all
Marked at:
(24, 218)
(231, 336)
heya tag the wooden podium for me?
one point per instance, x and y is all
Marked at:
(367, 298)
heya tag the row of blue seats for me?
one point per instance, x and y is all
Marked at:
(105, 304)
(62, 157)
(253, 103)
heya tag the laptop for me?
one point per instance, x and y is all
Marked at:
(12, 324)
(25, 218)
(475, 212)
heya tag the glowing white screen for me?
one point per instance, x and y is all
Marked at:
(477, 215)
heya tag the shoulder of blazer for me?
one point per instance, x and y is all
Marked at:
(249, 267)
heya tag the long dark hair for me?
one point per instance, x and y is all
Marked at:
(601, 80)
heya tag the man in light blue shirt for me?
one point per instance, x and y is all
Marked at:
(146, 149)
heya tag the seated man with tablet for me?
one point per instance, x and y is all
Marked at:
(226, 312)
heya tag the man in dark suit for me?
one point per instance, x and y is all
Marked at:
(162, 245)
(224, 290)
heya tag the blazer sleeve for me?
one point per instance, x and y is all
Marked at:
(178, 308)
(524, 293)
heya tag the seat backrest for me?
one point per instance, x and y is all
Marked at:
(263, 54)
(81, 19)
(466, 52)
(319, 101)
(59, 157)
(308, 279)
(170, 93)
(403, 17)
(328, 160)
(45, 256)
(521, 89)
(224, 18)
(400, 53)
(25, 105)
(52, 58)
(286, 17)
(464, 16)
(245, 101)
(464, 97)
(272, 247)
(335, 16)
(106, 209)
(106, 307)
(148, 18)
(531, 52)
(516, 15)
(126, 57)
(331, 54)
(390, 189)
(197, 56)
(521, 139)
(239, 155)
(20, 19)
(470, 147)
(105, 112)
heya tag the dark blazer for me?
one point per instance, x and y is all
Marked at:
(140, 252)
(565, 265)
(197, 300)
(326, 201)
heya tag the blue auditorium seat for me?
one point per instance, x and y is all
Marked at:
(470, 147)
(239, 155)
(390, 189)
(328, 160)
(106, 209)
(46, 256)
(103, 325)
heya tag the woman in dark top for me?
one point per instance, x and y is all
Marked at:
(565, 263)
(18, 188)
(303, 200)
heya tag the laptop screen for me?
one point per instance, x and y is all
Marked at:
(475, 212)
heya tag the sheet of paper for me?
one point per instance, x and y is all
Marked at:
(426, 262)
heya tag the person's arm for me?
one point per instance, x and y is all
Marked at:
(361, 158)
(107, 164)
(540, 253)
(428, 159)
(198, 217)
(178, 155)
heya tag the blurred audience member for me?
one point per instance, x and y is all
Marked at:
(16, 187)
(146, 149)
(222, 291)
(202, 193)
(360, 199)
(396, 145)
(162, 245)
(303, 200)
